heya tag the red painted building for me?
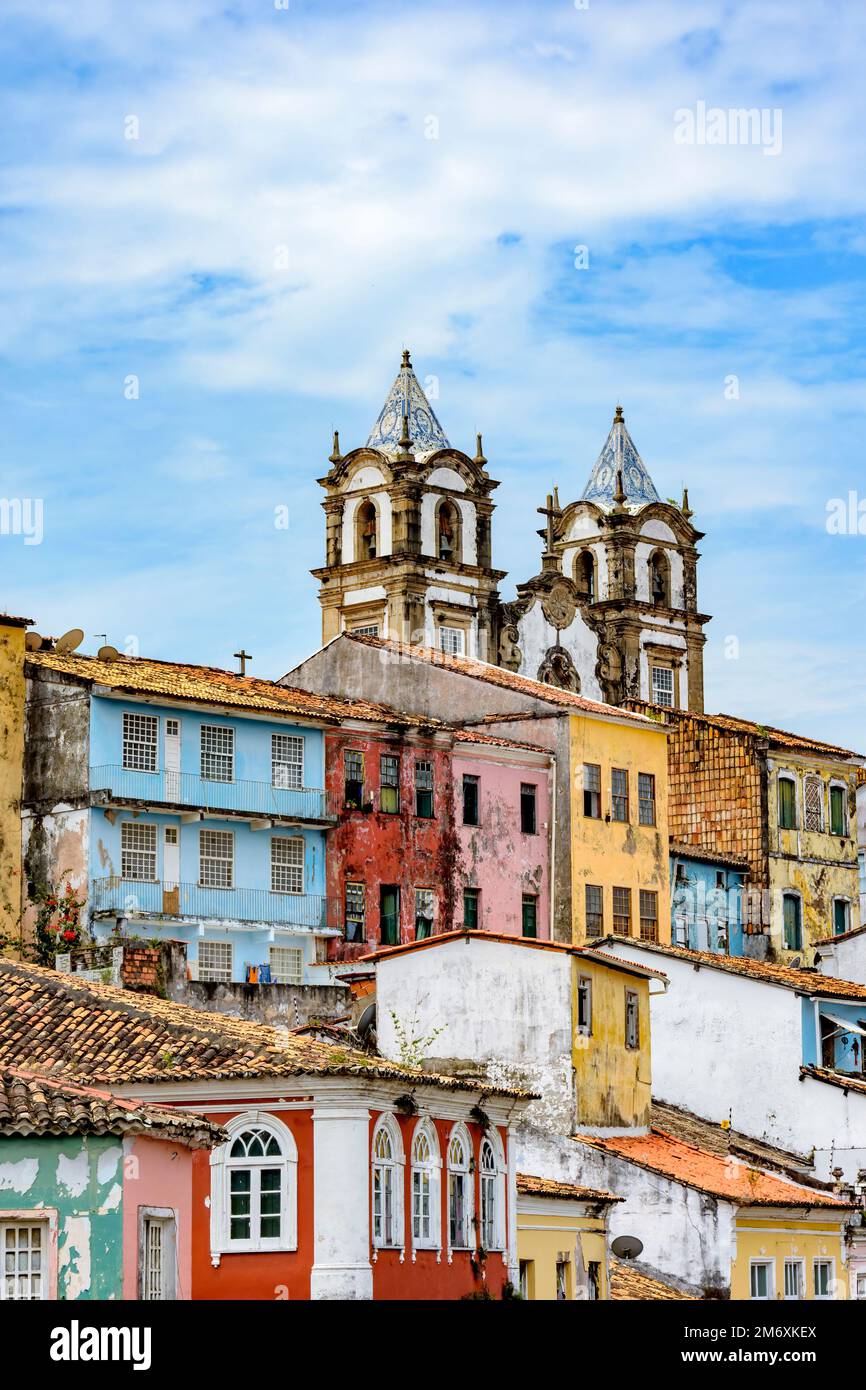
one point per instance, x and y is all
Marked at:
(438, 828)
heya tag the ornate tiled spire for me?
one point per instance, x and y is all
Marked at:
(406, 398)
(619, 457)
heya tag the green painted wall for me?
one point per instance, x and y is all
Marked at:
(82, 1179)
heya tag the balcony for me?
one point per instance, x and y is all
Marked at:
(129, 897)
(164, 788)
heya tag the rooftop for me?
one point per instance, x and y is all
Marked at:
(529, 1186)
(705, 1134)
(406, 397)
(619, 454)
(723, 1176)
(628, 1282)
(521, 942)
(499, 676)
(729, 723)
(845, 1080)
(766, 972)
(59, 1023)
(33, 1103)
(707, 856)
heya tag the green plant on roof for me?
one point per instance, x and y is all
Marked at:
(412, 1047)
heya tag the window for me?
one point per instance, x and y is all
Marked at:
(794, 1281)
(860, 1286)
(584, 576)
(594, 910)
(492, 1194)
(140, 734)
(563, 1271)
(387, 1184)
(216, 858)
(138, 851)
(787, 803)
(157, 1259)
(287, 965)
(287, 761)
(287, 864)
(425, 1187)
(619, 794)
(662, 686)
(761, 1279)
(25, 1261)
(353, 779)
(838, 811)
(215, 960)
(389, 784)
(254, 1186)
(447, 531)
(366, 532)
(592, 790)
(529, 915)
(527, 808)
(356, 913)
(593, 1281)
(452, 640)
(822, 1279)
(424, 789)
(632, 1020)
(471, 915)
(368, 630)
(584, 1006)
(622, 911)
(841, 916)
(813, 798)
(217, 753)
(646, 798)
(389, 915)
(792, 921)
(424, 906)
(649, 915)
(459, 1190)
(527, 1279)
(470, 800)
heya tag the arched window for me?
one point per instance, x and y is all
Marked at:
(387, 1184)
(426, 1206)
(366, 531)
(492, 1186)
(254, 1195)
(448, 545)
(660, 579)
(459, 1189)
(584, 575)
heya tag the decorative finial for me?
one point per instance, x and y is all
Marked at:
(619, 494)
(405, 441)
(479, 452)
(406, 359)
(335, 456)
(556, 497)
(619, 418)
(685, 508)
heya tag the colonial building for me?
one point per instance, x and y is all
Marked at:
(612, 614)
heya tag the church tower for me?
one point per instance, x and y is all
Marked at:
(613, 613)
(408, 534)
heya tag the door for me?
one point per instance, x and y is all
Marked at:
(389, 915)
(171, 870)
(171, 760)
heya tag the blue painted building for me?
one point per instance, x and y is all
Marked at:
(834, 1032)
(195, 801)
(706, 900)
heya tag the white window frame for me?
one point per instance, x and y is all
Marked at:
(656, 687)
(287, 977)
(292, 868)
(452, 640)
(462, 1171)
(220, 974)
(47, 1219)
(386, 1177)
(426, 1176)
(130, 831)
(491, 1182)
(789, 1262)
(220, 1188)
(831, 1282)
(839, 898)
(217, 741)
(166, 1219)
(140, 754)
(770, 1266)
(287, 772)
(212, 858)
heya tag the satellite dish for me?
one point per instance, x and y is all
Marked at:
(69, 641)
(108, 654)
(32, 641)
(627, 1247)
(795, 963)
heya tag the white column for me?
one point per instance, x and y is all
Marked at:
(341, 1200)
(511, 1188)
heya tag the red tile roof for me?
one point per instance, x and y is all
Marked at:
(777, 738)
(530, 1186)
(837, 1078)
(531, 943)
(707, 856)
(767, 972)
(725, 1177)
(627, 1282)
(498, 675)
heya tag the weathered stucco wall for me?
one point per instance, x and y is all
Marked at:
(11, 773)
(613, 1083)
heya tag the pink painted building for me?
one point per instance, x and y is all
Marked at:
(503, 820)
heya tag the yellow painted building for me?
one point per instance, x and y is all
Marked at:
(619, 828)
(11, 773)
(784, 1256)
(611, 1048)
(562, 1240)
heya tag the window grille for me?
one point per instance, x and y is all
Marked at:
(424, 789)
(217, 753)
(649, 915)
(287, 864)
(592, 790)
(355, 912)
(594, 910)
(216, 855)
(353, 778)
(619, 794)
(813, 793)
(452, 640)
(140, 735)
(24, 1247)
(287, 965)
(389, 784)
(215, 961)
(646, 792)
(663, 686)
(138, 851)
(622, 911)
(287, 761)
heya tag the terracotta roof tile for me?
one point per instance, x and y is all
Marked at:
(837, 1078)
(804, 981)
(531, 1186)
(524, 942)
(33, 1102)
(725, 1177)
(777, 738)
(627, 1282)
(99, 1033)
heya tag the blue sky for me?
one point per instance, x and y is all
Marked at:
(283, 225)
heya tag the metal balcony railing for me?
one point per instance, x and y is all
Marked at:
(188, 789)
(141, 897)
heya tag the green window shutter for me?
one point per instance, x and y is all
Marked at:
(837, 811)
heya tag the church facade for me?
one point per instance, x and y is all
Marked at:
(612, 613)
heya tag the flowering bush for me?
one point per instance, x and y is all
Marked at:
(58, 921)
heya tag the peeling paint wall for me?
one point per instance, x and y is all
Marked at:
(11, 772)
(613, 1083)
